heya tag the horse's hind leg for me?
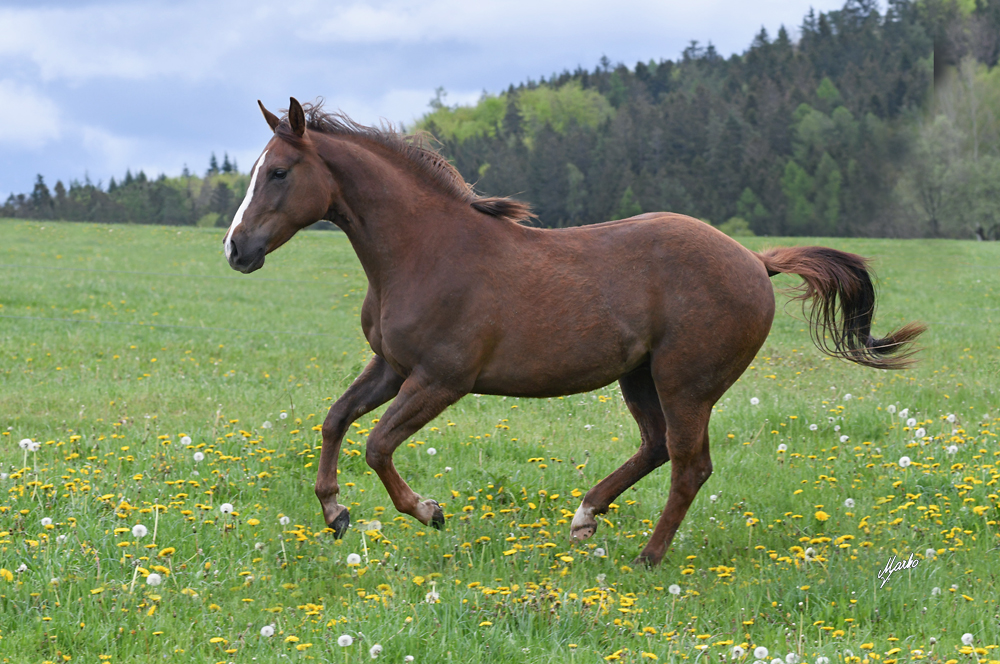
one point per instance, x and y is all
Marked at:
(690, 467)
(644, 404)
(377, 384)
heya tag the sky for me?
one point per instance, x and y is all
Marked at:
(90, 89)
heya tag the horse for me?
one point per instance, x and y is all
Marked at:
(464, 297)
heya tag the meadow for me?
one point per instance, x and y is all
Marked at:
(160, 420)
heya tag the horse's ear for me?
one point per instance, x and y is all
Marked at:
(272, 119)
(296, 116)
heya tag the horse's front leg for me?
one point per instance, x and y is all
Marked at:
(419, 401)
(377, 384)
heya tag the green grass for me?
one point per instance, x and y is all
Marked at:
(117, 340)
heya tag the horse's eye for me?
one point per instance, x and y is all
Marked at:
(279, 174)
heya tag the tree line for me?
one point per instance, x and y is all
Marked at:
(880, 123)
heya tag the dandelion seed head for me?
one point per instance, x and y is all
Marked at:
(930, 553)
(284, 520)
(199, 456)
(920, 433)
(25, 443)
(911, 422)
(738, 652)
(713, 497)
(951, 418)
(754, 401)
(903, 414)
(822, 660)
(283, 416)
(21, 568)
(226, 508)
(782, 448)
(674, 589)
(952, 449)
(849, 503)
(813, 427)
(447, 469)
(154, 579)
(431, 451)
(904, 461)
(46, 521)
(344, 640)
(836, 428)
(792, 658)
(267, 631)
(847, 397)
(844, 438)
(185, 440)
(600, 552)
(266, 425)
(353, 559)
(967, 639)
(139, 531)
(408, 658)
(891, 408)
(375, 651)
(760, 652)
(34, 446)
(935, 591)
(61, 539)
(933, 640)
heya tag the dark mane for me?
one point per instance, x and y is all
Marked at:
(417, 150)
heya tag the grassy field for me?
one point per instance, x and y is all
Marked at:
(118, 343)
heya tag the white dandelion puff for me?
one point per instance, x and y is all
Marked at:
(283, 416)
(760, 652)
(266, 425)
(344, 640)
(267, 631)
(782, 448)
(284, 520)
(951, 418)
(600, 552)
(447, 469)
(920, 433)
(139, 531)
(930, 553)
(967, 639)
(738, 652)
(199, 456)
(891, 408)
(34, 446)
(849, 503)
(792, 658)
(353, 559)
(431, 451)
(25, 443)
(713, 497)
(911, 422)
(935, 591)
(754, 401)
(844, 438)
(375, 651)
(904, 461)
(46, 521)
(903, 414)
(154, 579)
(813, 427)
(822, 660)
(226, 508)
(185, 440)
(847, 397)
(674, 589)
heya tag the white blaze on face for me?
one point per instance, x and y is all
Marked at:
(238, 219)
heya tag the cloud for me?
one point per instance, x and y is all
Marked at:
(27, 118)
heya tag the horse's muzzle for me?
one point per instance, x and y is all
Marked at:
(246, 259)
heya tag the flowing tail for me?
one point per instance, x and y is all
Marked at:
(839, 286)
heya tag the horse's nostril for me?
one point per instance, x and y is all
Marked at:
(233, 251)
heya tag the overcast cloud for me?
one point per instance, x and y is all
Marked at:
(99, 87)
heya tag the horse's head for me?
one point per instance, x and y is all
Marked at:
(290, 188)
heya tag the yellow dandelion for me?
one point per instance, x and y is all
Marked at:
(822, 516)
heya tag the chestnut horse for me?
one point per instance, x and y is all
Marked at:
(462, 298)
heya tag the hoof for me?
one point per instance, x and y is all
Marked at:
(341, 523)
(646, 559)
(437, 519)
(584, 524)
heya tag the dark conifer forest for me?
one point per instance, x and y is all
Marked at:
(877, 120)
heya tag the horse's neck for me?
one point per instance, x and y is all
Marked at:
(390, 218)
